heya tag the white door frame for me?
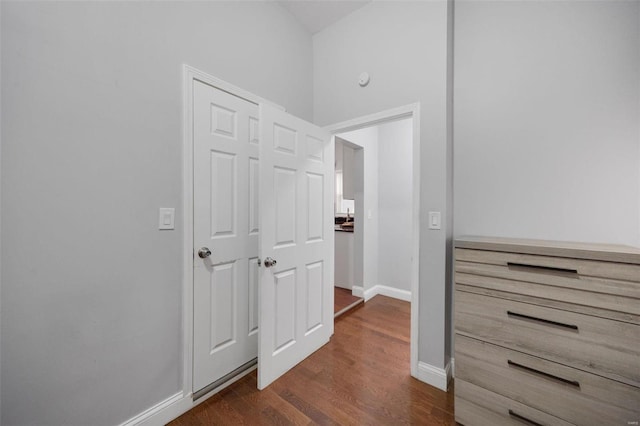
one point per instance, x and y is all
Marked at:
(190, 75)
(413, 111)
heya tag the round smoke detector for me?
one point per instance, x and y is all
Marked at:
(363, 79)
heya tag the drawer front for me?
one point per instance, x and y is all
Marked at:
(553, 266)
(567, 393)
(620, 306)
(604, 285)
(601, 346)
(475, 406)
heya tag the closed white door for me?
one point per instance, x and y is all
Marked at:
(226, 218)
(296, 208)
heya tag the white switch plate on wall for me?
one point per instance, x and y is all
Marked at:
(434, 220)
(166, 218)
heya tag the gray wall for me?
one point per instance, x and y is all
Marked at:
(403, 46)
(547, 107)
(91, 147)
(395, 195)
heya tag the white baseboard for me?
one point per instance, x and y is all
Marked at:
(357, 291)
(168, 405)
(434, 376)
(369, 293)
(382, 290)
(392, 292)
(176, 405)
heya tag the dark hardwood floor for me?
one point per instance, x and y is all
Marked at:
(360, 378)
(343, 300)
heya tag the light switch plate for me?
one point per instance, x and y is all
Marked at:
(434, 220)
(166, 218)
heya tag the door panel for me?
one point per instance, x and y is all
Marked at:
(285, 206)
(296, 210)
(315, 206)
(223, 296)
(314, 285)
(226, 215)
(223, 194)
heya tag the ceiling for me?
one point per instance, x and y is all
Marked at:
(316, 15)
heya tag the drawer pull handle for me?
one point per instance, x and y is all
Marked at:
(523, 419)
(574, 383)
(542, 269)
(541, 320)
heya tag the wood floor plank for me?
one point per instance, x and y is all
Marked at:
(362, 376)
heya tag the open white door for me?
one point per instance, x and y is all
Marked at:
(297, 234)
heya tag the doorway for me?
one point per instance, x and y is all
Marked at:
(382, 153)
(386, 200)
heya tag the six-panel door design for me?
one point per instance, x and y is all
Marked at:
(296, 205)
(226, 221)
(263, 187)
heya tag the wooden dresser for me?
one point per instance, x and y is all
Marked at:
(546, 333)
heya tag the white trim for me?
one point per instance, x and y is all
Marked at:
(187, 229)
(383, 290)
(415, 264)
(155, 410)
(396, 293)
(361, 292)
(434, 376)
(369, 293)
(176, 405)
(375, 119)
(357, 291)
(195, 74)
(453, 367)
(412, 110)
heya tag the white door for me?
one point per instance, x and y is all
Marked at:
(225, 322)
(297, 231)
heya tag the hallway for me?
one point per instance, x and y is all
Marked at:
(360, 377)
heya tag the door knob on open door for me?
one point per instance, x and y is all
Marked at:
(204, 252)
(269, 262)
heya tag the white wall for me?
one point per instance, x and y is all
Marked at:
(91, 148)
(403, 45)
(395, 193)
(547, 107)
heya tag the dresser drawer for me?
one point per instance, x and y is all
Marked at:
(475, 406)
(548, 267)
(601, 346)
(605, 285)
(564, 392)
